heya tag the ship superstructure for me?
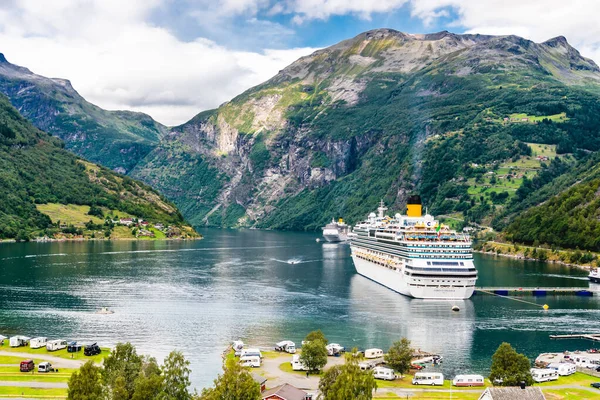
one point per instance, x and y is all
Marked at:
(414, 254)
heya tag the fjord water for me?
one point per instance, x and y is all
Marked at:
(264, 287)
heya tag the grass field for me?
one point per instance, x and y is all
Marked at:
(11, 391)
(59, 353)
(576, 379)
(562, 117)
(570, 394)
(429, 395)
(69, 214)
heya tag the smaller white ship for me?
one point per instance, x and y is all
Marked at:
(594, 275)
(105, 311)
(336, 231)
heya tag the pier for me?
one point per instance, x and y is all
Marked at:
(589, 336)
(537, 291)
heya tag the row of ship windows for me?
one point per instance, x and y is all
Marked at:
(440, 251)
(440, 286)
(440, 254)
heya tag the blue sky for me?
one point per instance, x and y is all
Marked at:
(262, 29)
(175, 58)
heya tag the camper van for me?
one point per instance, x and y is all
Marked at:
(563, 369)
(38, 342)
(373, 353)
(298, 365)
(251, 352)
(544, 375)
(26, 366)
(468, 380)
(18, 341)
(250, 361)
(428, 378)
(287, 345)
(53, 345)
(386, 374)
(46, 367)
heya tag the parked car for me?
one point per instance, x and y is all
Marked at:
(92, 350)
(595, 385)
(27, 366)
(46, 367)
(418, 367)
(598, 369)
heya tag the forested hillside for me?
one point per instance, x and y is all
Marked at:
(475, 124)
(115, 139)
(36, 170)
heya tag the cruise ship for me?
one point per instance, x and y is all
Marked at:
(336, 231)
(414, 255)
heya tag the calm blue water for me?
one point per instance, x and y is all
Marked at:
(264, 287)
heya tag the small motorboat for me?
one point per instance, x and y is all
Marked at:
(456, 308)
(105, 310)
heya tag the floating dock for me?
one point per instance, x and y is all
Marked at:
(537, 291)
(589, 336)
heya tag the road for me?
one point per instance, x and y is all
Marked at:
(37, 385)
(57, 362)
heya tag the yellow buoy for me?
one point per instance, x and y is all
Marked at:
(546, 307)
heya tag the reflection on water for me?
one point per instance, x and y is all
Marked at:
(264, 287)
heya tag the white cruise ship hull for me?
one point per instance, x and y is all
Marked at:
(332, 238)
(395, 281)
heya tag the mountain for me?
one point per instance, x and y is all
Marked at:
(115, 139)
(464, 120)
(46, 190)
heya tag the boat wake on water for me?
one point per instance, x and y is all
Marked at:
(293, 261)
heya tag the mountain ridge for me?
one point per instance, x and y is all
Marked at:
(116, 139)
(299, 133)
(480, 125)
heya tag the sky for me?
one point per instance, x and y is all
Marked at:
(175, 58)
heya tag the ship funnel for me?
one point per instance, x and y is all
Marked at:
(414, 206)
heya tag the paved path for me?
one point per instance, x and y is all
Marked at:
(57, 362)
(38, 385)
(271, 371)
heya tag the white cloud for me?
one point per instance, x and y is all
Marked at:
(118, 61)
(537, 20)
(323, 9)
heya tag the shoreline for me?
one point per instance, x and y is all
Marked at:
(521, 257)
(13, 241)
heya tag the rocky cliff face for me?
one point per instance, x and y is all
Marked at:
(336, 131)
(116, 139)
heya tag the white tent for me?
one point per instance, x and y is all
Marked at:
(2, 337)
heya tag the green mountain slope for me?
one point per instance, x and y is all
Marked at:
(465, 120)
(36, 171)
(115, 139)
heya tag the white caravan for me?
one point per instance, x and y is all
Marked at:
(468, 380)
(38, 342)
(428, 378)
(287, 345)
(251, 352)
(298, 365)
(563, 369)
(334, 349)
(373, 353)
(250, 361)
(54, 345)
(386, 374)
(18, 341)
(543, 375)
